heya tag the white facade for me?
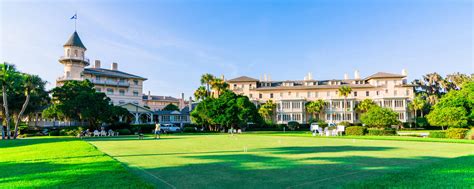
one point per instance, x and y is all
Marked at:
(388, 90)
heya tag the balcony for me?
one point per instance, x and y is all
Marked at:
(64, 78)
(110, 83)
(74, 58)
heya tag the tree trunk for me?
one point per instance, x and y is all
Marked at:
(23, 108)
(415, 118)
(5, 107)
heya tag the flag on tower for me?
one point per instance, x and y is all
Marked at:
(74, 17)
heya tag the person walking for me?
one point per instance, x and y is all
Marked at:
(157, 130)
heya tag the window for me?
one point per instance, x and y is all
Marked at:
(407, 92)
(309, 95)
(69, 52)
(297, 94)
(98, 89)
(281, 94)
(377, 93)
(366, 93)
(121, 102)
(235, 86)
(122, 92)
(386, 91)
(355, 93)
(250, 95)
(271, 95)
(327, 93)
(135, 82)
(135, 93)
(97, 78)
(75, 53)
(260, 95)
(395, 93)
(289, 93)
(110, 91)
(122, 80)
(316, 94)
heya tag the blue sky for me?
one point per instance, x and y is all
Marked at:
(173, 42)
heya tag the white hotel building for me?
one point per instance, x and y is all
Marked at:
(387, 89)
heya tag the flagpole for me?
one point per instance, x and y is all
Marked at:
(75, 22)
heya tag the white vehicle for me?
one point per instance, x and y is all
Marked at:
(170, 128)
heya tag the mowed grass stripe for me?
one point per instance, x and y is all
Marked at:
(61, 163)
(220, 161)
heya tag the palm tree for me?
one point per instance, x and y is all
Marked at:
(200, 93)
(7, 72)
(418, 103)
(344, 91)
(365, 105)
(33, 84)
(206, 79)
(219, 85)
(315, 107)
(267, 110)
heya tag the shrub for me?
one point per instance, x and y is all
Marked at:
(124, 132)
(456, 133)
(470, 134)
(292, 125)
(189, 129)
(344, 123)
(437, 134)
(54, 133)
(144, 128)
(381, 132)
(356, 130)
(421, 122)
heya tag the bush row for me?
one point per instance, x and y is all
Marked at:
(453, 133)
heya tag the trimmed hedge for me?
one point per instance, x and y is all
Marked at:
(381, 132)
(356, 130)
(437, 134)
(124, 132)
(456, 133)
(144, 128)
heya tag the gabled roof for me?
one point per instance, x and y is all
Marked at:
(111, 73)
(384, 75)
(74, 41)
(242, 79)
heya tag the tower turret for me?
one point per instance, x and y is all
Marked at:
(74, 59)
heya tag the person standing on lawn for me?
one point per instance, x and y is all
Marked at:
(157, 130)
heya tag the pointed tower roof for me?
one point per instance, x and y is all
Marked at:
(75, 41)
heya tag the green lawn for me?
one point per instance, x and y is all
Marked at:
(269, 160)
(61, 163)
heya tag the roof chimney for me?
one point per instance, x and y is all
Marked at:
(346, 77)
(114, 66)
(190, 104)
(404, 72)
(97, 64)
(356, 74)
(264, 77)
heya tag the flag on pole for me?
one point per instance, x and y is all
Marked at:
(74, 17)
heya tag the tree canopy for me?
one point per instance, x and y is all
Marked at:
(78, 100)
(455, 109)
(171, 107)
(380, 117)
(365, 105)
(228, 110)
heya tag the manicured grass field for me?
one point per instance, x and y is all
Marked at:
(269, 160)
(61, 163)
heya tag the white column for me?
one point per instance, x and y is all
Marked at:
(137, 116)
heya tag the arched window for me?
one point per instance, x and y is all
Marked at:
(75, 53)
(68, 52)
(68, 74)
